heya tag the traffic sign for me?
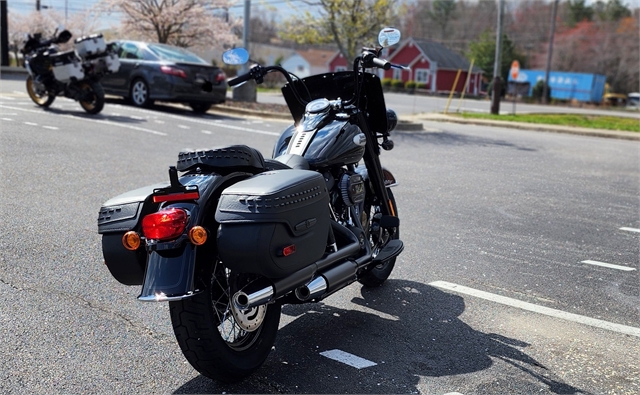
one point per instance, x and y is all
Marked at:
(515, 69)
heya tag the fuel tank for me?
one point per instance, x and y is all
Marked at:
(336, 143)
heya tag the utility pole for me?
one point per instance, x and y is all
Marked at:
(545, 88)
(4, 46)
(37, 5)
(247, 91)
(497, 84)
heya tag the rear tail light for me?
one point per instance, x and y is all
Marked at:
(220, 77)
(166, 224)
(173, 71)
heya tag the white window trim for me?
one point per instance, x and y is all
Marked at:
(425, 72)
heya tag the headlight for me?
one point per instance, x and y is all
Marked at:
(392, 120)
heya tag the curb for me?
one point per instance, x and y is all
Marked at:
(13, 70)
(618, 134)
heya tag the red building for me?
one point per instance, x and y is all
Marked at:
(430, 63)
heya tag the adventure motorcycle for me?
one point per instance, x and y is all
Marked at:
(236, 236)
(74, 74)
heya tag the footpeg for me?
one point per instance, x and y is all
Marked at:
(391, 250)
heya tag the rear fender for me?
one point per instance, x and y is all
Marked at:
(174, 268)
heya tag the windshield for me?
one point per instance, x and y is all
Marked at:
(175, 54)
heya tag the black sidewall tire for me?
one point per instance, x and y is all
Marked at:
(200, 108)
(147, 102)
(95, 106)
(195, 327)
(375, 277)
(33, 96)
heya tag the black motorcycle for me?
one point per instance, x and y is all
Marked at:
(73, 74)
(236, 236)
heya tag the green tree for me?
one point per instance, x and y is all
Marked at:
(345, 23)
(579, 11)
(442, 11)
(612, 10)
(484, 49)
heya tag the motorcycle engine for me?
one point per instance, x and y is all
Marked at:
(352, 188)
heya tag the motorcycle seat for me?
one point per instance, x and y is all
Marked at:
(222, 160)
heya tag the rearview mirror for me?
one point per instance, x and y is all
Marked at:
(389, 36)
(235, 56)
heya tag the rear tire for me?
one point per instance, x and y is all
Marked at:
(378, 274)
(39, 95)
(92, 97)
(200, 108)
(210, 337)
(139, 93)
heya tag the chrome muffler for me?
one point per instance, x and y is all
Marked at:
(315, 288)
(242, 301)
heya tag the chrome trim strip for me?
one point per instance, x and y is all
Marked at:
(164, 298)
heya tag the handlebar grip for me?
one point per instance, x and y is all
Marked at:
(239, 79)
(381, 63)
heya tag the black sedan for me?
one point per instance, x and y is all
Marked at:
(150, 71)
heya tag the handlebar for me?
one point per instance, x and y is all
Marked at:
(240, 79)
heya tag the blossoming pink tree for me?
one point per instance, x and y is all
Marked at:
(46, 22)
(200, 24)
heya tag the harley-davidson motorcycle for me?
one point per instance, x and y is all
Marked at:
(74, 74)
(233, 236)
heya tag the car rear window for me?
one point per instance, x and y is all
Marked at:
(175, 54)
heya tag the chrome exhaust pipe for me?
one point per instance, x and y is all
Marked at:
(242, 301)
(315, 288)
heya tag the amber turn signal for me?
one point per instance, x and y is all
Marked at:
(198, 235)
(131, 240)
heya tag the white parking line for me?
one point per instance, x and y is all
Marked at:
(206, 132)
(630, 229)
(51, 127)
(349, 359)
(116, 124)
(628, 330)
(6, 119)
(31, 123)
(609, 265)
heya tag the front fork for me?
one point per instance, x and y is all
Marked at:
(375, 171)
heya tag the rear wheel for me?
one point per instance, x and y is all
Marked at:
(377, 275)
(38, 93)
(139, 93)
(92, 98)
(200, 108)
(210, 331)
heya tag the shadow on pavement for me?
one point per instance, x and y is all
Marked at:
(410, 330)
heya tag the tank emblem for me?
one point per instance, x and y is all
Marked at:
(360, 139)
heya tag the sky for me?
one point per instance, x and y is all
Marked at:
(68, 7)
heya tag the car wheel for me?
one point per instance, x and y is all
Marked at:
(139, 93)
(200, 108)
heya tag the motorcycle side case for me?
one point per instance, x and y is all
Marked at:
(273, 223)
(92, 45)
(67, 66)
(118, 216)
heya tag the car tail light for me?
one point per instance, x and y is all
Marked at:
(166, 224)
(173, 71)
(221, 77)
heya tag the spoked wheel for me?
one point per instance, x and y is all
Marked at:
(378, 238)
(38, 93)
(92, 100)
(220, 341)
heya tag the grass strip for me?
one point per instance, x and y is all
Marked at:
(577, 120)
